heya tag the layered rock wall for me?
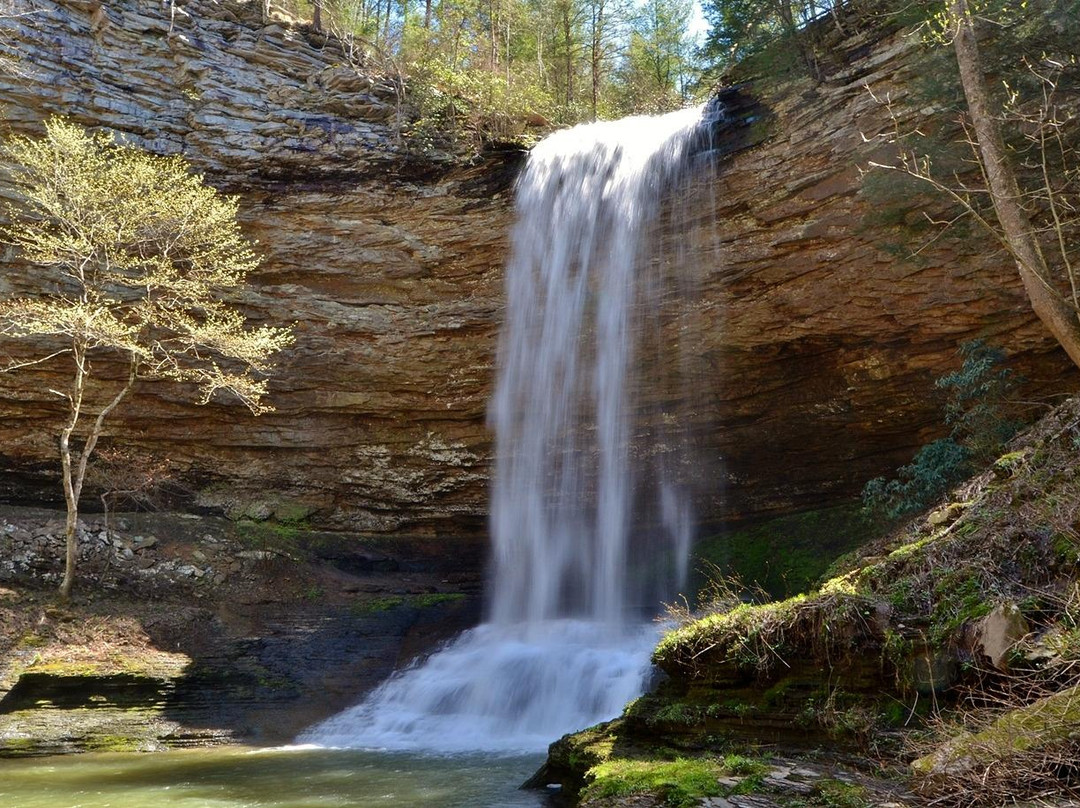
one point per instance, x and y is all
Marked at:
(393, 283)
(815, 348)
(832, 301)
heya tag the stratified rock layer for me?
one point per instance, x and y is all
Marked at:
(814, 348)
(393, 284)
(832, 303)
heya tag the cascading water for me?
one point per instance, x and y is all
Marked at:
(589, 525)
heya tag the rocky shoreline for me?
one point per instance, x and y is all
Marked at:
(192, 631)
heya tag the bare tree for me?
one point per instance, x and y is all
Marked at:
(1014, 222)
(1049, 305)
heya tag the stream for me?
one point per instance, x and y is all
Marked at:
(231, 777)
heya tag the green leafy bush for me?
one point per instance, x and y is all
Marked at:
(978, 414)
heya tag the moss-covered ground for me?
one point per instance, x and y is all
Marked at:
(783, 556)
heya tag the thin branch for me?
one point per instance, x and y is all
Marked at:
(17, 365)
(95, 431)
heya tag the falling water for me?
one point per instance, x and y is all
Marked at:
(590, 524)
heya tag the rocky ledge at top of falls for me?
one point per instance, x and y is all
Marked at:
(817, 349)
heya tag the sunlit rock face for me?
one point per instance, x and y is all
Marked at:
(389, 265)
(816, 349)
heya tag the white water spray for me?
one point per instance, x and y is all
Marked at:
(588, 532)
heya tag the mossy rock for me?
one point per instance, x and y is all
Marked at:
(679, 783)
(785, 555)
(1047, 721)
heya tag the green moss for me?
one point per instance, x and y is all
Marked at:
(784, 556)
(64, 669)
(895, 713)
(292, 513)
(897, 649)
(959, 599)
(388, 602)
(592, 746)
(677, 713)
(112, 743)
(902, 596)
(911, 549)
(14, 746)
(757, 637)
(31, 640)
(435, 599)
(1044, 722)
(1008, 463)
(680, 783)
(777, 694)
(376, 605)
(838, 794)
(1066, 548)
(733, 707)
(268, 535)
(742, 766)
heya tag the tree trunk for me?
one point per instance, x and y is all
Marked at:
(71, 542)
(316, 16)
(1047, 303)
(597, 52)
(569, 56)
(493, 50)
(71, 494)
(74, 479)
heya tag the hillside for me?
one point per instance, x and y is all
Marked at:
(942, 656)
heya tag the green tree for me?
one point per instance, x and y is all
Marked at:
(977, 410)
(133, 254)
(656, 72)
(741, 28)
(490, 69)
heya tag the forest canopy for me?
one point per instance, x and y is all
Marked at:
(486, 67)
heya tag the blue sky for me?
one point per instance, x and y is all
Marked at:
(698, 26)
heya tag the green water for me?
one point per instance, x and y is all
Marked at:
(238, 778)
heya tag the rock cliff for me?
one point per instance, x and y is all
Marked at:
(389, 265)
(833, 303)
(815, 347)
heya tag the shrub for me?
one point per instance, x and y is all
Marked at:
(977, 412)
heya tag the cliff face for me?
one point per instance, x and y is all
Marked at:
(393, 284)
(830, 329)
(815, 349)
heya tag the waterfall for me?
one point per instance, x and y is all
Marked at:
(590, 522)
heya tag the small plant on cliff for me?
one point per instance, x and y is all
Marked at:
(132, 255)
(980, 424)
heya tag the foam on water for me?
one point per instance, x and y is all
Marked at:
(499, 690)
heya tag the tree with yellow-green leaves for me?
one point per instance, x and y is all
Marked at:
(133, 255)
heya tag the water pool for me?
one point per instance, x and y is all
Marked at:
(274, 778)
